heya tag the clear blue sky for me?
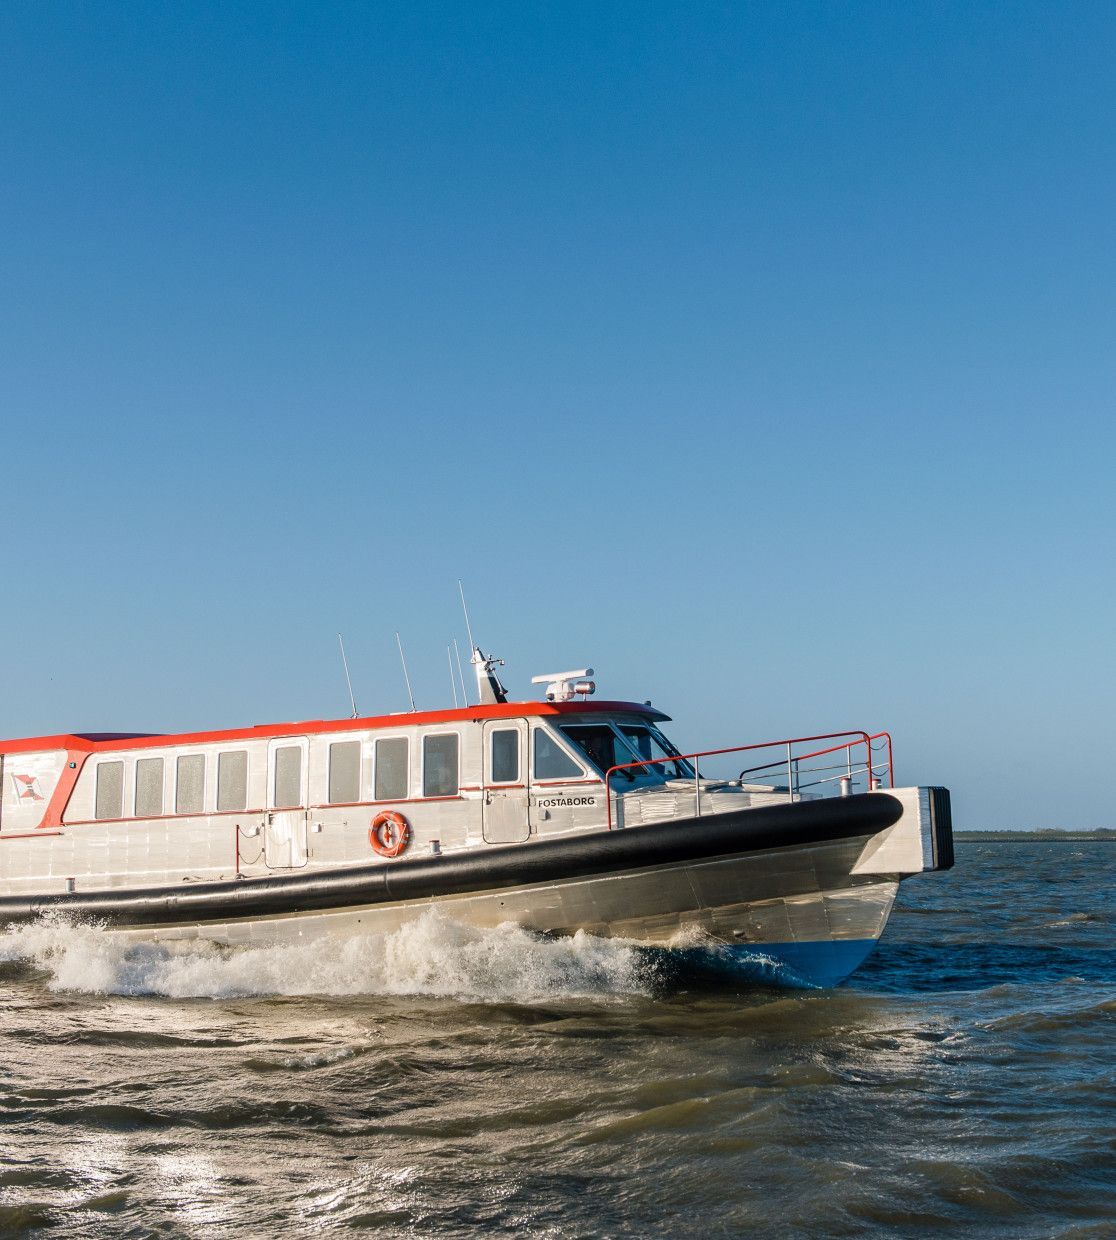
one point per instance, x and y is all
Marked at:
(762, 356)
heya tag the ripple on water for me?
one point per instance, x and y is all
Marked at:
(454, 1082)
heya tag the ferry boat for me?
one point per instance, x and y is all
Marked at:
(561, 814)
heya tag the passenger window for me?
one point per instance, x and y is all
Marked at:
(189, 797)
(344, 772)
(110, 790)
(505, 756)
(288, 777)
(149, 787)
(551, 760)
(439, 765)
(391, 769)
(232, 780)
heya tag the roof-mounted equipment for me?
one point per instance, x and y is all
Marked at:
(489, 689)
(565, 686)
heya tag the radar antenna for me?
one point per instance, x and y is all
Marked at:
(563, 686)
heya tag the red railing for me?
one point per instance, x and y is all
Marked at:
(790, 762)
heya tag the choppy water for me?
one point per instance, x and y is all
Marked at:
(450, 1082)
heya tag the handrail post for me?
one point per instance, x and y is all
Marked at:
(697, 788)
(790, 778)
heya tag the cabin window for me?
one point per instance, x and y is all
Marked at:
(604, 749)
(149, 787)
(344, 772)
(439, 765)
(551, 760)
(288, 777)
(110, 790)
(505, 756)
(391, 769)
(232, 780)
(189, 796)
(649, 742)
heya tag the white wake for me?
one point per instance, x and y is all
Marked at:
(433, 956)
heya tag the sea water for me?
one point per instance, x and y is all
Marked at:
(448, 1081)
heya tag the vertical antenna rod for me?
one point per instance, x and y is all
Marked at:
(348, 678)
(402, 659)
(461, 674)
(453, 683)
(468, 626)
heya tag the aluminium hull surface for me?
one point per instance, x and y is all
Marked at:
(776, 880)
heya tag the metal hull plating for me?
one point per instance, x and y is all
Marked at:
(814, 931)
(797, 914)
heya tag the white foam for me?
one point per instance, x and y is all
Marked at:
(432, 956)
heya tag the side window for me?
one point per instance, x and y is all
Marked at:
(439, 765)
(288, 777)
(110, 790)
(504, 768)
(344, 772)
(391, 769)
(232, 780)
(552, 761)
(149, 787)
(189, 795)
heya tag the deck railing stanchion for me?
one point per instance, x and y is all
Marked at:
(793, 763)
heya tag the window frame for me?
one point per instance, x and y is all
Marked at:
(517, 779)
(191, 813)
(221, 753)
(162, 760)
(376, 742)
(560, 742)
(441, 796)
(330, 745)
(103, 764)
(281, 745)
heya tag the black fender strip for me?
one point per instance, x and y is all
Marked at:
(482, 869)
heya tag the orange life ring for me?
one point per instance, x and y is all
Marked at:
(389, 834)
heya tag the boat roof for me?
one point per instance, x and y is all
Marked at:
(109, 741)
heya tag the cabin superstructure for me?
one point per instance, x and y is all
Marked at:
(283, 796)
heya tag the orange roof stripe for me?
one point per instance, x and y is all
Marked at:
(109, 742)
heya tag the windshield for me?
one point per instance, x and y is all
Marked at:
(607, 745)
(600, 744)
(649, 742)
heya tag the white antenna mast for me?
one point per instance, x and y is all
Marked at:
(403, 660)
(453, 683)
(489, 689)
(468, 626)
(348, 678)
(460, 672)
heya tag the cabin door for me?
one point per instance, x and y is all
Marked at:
(285, 825)
(506, 803)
